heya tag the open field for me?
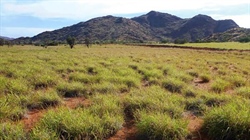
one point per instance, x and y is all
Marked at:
(120, 92)
(221, 45)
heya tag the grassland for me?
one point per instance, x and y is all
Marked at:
(160, 93)
(221, 45)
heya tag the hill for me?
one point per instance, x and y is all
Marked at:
(6, 38)
(234, 34)
(153, 26)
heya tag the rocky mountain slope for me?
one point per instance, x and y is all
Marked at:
(234, 34)
(153, 26)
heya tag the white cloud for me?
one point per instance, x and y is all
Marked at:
(241, 20)
(85, 9)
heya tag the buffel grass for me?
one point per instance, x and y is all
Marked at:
(155, 88)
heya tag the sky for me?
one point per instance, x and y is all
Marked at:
(27, 18)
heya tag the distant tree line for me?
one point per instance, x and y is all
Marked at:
(5, 42)
(244, 39)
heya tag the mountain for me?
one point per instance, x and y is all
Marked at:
(234, 34)
(100, 29)
(153, 26)
(164, 25)
(6, 38)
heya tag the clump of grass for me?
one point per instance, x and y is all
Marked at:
(182, 76)
(237, 81)
(154, 99)
(167, 70)
(150, 73)
(12, 131)
(228, 122)
(205, 78)
(12, 107)
(92, 70)
(188, 92)
(219, 85)
(43, 99)
(16, 86)
(98, 121)
(3, 83)
(193, 73)
(133, 66)
(244, 92)
(130, 82)
(72, 89)
(173, 85)
(104, 87)
(196, 106)
(42, 134)
(160, 126)
(87, 79)
(41, 81)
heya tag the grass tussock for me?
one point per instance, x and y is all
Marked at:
(98, 121)
(11, 131)
(173, 85)
(73, 89)
(43, 100)
(228, 122)
(161, 126)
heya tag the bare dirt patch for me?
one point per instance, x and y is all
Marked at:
(34, 115)
(127, 132)
(76, 102)
(200, 84)
(31, 118)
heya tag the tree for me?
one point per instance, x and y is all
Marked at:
(1, 42)
(71, 41)
(87, 42)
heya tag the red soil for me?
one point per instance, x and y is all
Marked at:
(127, 132)
(76, 102)
(200, 84)
(33, 116)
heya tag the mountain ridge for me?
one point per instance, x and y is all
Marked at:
(153, 26)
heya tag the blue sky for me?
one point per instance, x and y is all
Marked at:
(31, 17)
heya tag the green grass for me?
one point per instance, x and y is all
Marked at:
(12, 131)
(231, 121)
(153, 87)
(224, 45)
(161, 126)
(99, 121)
